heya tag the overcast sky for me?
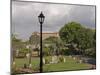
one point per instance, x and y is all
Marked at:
(25, 17)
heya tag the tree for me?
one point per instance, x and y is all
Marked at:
(34, 41)
(85, 38)
(55, 45)
(16, 43)
(79, 37)
(68, 33)
(18, 47)
(92, 51)
(48, 45)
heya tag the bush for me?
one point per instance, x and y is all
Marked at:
(61, 59)
(47, 61)
(45, 51)
(67, 52)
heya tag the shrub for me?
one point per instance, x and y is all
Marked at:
(61, 59)
(46, 61)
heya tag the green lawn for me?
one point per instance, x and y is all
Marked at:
(70, 64)
(21, 61)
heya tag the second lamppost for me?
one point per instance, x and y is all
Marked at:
(41, 18)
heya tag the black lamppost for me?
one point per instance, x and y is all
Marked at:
(41, 18)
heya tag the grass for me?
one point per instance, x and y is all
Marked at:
(70, 64)
(21, 61)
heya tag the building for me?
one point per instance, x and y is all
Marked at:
(47, 34)
(44, 36)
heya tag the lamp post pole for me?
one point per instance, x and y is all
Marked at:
(41, 20)
(41, 56)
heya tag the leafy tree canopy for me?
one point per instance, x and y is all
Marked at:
(75, 34)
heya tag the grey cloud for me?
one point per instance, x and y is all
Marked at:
(25, 20)
(83, 14)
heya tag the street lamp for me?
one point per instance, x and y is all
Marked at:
(41, 18)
